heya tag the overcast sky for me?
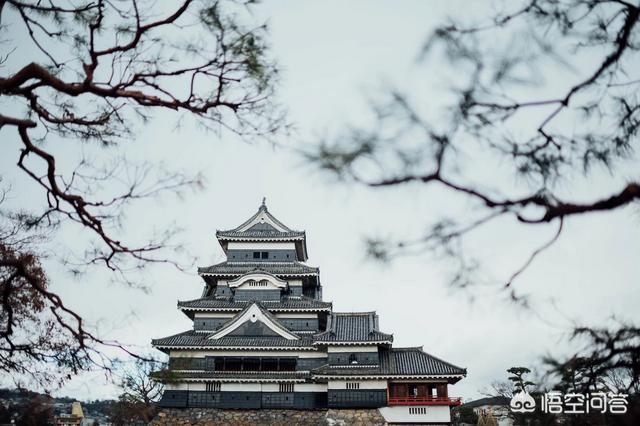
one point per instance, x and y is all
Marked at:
(334, 56)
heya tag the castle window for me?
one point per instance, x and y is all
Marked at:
(353, 359)
(269, 364)
(286, 387)
(233, 364)
(287, 364)
(213, 387)
(256, 255)
(251, 364)
(354, 385)
(265, 254)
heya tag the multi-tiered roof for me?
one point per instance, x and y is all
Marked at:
(260, 228)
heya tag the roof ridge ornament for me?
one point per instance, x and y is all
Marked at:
(263, 206)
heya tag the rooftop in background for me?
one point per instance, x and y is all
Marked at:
(489, 401)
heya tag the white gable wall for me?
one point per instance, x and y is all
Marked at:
(254, 314)
(262, 217)
(248, 245)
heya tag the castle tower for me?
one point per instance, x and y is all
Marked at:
(262, 337)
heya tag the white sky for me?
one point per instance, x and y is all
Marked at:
(334, 55)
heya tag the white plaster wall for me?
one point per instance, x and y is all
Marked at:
(186, 386)
(364, 384)
(335, 349)
(241, 387)
(249, 387)
(310, 387)
(242, 245)
(400, 414)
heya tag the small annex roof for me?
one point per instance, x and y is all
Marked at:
(414, 360)
(228, 304)
(353, 328)
(192, 339)
(397, 363)
(279, 269)
(263, 226)
(252, 314)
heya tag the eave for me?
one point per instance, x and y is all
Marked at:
(226, 274)
(229, 309)
(245, 380)
(233, 348)
(353, 343)
(455, 377)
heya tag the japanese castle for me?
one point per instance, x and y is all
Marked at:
(262, 337)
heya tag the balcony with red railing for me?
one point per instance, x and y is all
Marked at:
(425, 400)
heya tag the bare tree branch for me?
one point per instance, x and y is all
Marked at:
(98, 68)
(508, 57)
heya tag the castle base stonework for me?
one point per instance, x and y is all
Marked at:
(213, 416)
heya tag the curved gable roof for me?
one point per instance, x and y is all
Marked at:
(254, 313)
(261, 225)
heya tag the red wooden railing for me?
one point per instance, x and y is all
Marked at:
(424, 400)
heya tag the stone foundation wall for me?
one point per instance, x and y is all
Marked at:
(212, 416)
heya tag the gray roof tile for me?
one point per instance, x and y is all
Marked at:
(195, 339)
(414, 361)
(271, 234)
(232, 269)
(353, 327)
(228, 304)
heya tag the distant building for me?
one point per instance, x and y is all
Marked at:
(496, 406)
(74, 419)
(67, 420)
(262, 337)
